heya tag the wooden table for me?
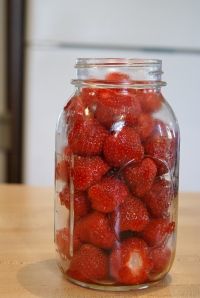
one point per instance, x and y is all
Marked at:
(27, 260)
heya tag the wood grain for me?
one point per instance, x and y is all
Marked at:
(28, 262)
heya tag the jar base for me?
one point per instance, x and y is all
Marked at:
(109, 287)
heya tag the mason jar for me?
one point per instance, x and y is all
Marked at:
(116, 176)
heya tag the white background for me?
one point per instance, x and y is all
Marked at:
(60, 31)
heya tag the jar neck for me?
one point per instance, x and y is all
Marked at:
(131, 73)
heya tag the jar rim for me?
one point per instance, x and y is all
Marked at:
(116, 62)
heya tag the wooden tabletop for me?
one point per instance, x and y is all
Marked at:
(27, 259)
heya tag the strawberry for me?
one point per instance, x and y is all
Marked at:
(86, 137)
(140, 177)
(116, 105)
(89, 98)
(94, 228)
(122, 147)
(150, 100)
(161, 258)
(144, 125)
(62, 170)
(157, 231)
(88, 171)
(131, 215)
(62, 240)
(117, 77)
(159, 198)
(108, 194)
(163, 150)
(89, 264)
(130, 263)
(81, 202)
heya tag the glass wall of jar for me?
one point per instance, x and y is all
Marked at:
(117, 163)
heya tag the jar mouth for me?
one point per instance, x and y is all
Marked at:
(117, 62)
(137, 73)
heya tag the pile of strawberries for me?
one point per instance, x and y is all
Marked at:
(118, 156)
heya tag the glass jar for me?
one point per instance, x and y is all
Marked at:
(117, 165)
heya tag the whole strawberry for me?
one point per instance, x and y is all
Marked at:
(161, 258)
(80, 202)
(157, 231)
(132, 215)
(130, 263)
(86, 137)
(150, 100)
(116, 105)
(108, 194)
(122, 147)
(140, 177)
(163, 150)
(88, 171)
(144, 125)
(95, 228)
(89, 264)
(159, 198)
(62, 240)
(62, 170)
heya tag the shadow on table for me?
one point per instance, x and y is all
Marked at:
(44, 279)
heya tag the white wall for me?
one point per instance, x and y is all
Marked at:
(60, 31)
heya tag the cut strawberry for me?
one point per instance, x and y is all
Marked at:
(95, 228)
(62, 240)
(122, 147)
(161, 258)
(88, 171)
(130, 263)
(107, 194)
(81, 202)
(157, 231)
(86, 137)
(89, 264)
(159, 198)
(140, 177)
(131, 215)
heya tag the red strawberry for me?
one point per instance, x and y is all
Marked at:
(159, 198)
(140, 177)
(150, 100)
(131, 215)
(144, 125)
(86, 137)
(108, 194)
(62, 170)
(163, 150)
(89, 264)
(161, 258)
(122, 147)
(88, 171)
(89, 98)
(157, 231)
(62, 240)
(116, 105)
(81, 202)
(162, 129)
(130, 263)
(94, 228)
(117, 77)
